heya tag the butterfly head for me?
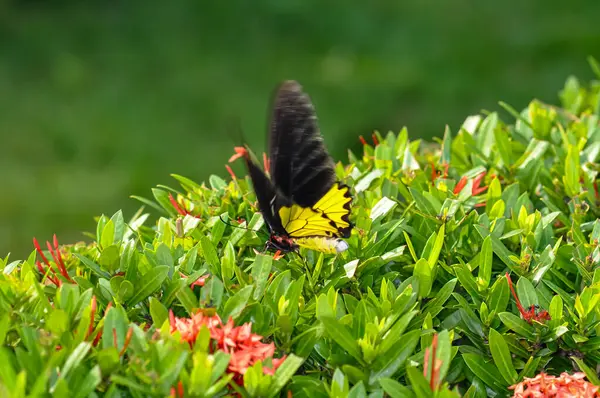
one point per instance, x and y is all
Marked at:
(283, 244)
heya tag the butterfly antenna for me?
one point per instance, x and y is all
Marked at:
(232, 225)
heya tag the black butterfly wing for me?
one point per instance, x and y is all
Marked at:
(301, 169)
(266, 196)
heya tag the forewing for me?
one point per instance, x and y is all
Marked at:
(301, 168)
(265, 195)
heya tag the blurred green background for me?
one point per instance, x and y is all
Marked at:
(103, 99)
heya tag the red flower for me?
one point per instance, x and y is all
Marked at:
(179, 393)
(231, 173)
(531, 314)
(476, 189)
(436, 366)
(276, 362)
(364, 142)
(278, 254)
(181, 210)
(244, 347)
(461, 184)
(198, 282)
(58, 261)
(563, 386)
(435, 173)
(92, 314)
(266, 163)
(375, 140)
(240, 152)
(190, 327)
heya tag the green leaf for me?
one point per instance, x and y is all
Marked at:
(526, 293)
(422, 273)
(365, 182)
(571, 177)
(589, 372)
(148, 284)
(444, 353)
(419, 384)
(340, 334)
(517, 325)
(261, 269)
(58, 322)
(502, 357)
(102, 220)
(119, 227)
(395, 333)
(218, 229)
(395, 357)
(485, 371)
(284, 373)
(544, 264)
(468, 282)
(358, 390)
(108, 235)
(75, 358)
(437, 247)
(88, 384)
(228, 263)
(382, 208)
(556, 311)
(5, 325)
(485, 262)
(158, 312)
(187, 298)
(163, 255)
(217, 183)
(530, 368)
(503, 146)
(109, 258)
(446, 152)
(499, 296)
(236, 303)
(210, 255)
(485, 136)
(395, 389)
(162, 197)
(422, 203)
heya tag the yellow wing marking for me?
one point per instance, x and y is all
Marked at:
(333, 205)
(325, 218)
(304, 221)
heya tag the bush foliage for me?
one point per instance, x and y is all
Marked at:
(473, 265)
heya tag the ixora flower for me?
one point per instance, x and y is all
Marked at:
(198, 282)
(563, 386)
(531, 314)
(183, 206)
(244, 346)
(476, 189)
(54, 250)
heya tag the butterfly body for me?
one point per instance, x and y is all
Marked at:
(301, 201)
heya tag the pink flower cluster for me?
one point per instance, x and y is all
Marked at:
(244, 346)
(563, 386)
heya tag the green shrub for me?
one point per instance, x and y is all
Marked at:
(422, 304)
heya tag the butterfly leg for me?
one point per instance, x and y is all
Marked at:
(269, 245)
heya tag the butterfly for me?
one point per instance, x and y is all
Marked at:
(301, 201)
